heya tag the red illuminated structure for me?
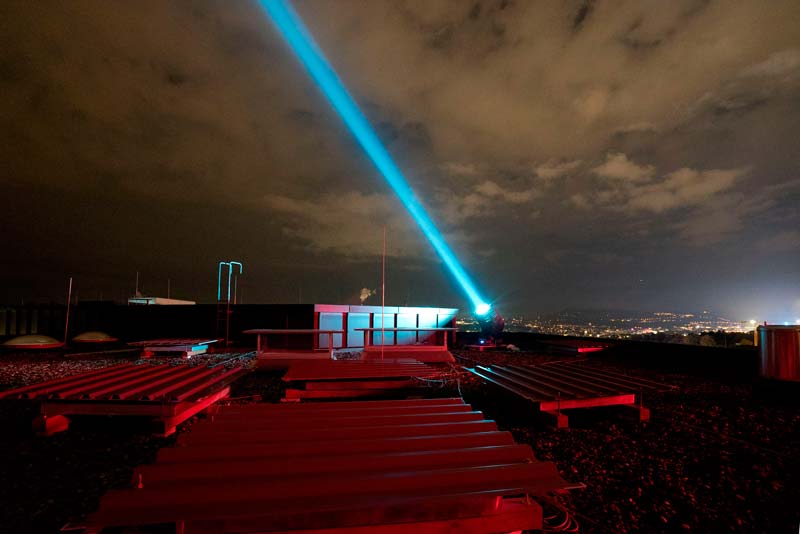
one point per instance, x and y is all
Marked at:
(779, 351)
(567, 386)
(169, 394)
(386, 467)
(425, 344)
(328, 379)
(575, 346)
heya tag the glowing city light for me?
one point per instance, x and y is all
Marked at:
(301, 42)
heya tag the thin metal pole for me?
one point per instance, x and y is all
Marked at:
(136, 293)
(169, 287)
(69, 299)
(228, 310)
(219, 279)
(228, 304)
(383, 294)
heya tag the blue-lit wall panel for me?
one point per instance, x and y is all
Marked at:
(330, 321)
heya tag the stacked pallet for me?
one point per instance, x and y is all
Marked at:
(169, 394)
(563, 386)
(383, 467)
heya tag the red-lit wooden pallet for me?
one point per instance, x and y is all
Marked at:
(575, 346)
(328, 379)
(338, 467)
(556, 387)
(169, 394)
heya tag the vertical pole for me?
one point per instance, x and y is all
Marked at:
(69, 299)
(136, 293)
(169, 287)
(235, 287)
(383, 294)
(219, 279)
(228, 310)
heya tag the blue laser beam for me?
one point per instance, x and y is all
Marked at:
(299, 39)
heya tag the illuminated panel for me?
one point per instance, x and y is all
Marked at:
(298, 38)
(330, 321)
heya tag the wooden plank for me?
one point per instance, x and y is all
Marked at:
(586, 384)
(291, 412)
(389, 431)
(150, 385)
(592, 402)
(299, 408)
(189, 409)
(558, 382)
(34, 390)
(204, 386)
(332, 448)
(222, 425)
(624, 382)
(241, 497)
(122, 383)
(515, 515)
(300, 394)
(338, 385)
(180, 473)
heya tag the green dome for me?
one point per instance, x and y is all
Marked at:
(32, 342)
(94, 337)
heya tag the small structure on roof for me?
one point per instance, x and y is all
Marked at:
(33, 342)
(94, 337)
(430, 345)
(339, 379)
(185, 348)
(149, 301)
(779, 352)
(283, 357)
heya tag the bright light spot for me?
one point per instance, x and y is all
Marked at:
(482, 308)
(301, 42)
(752, 321)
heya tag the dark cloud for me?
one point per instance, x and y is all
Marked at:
(569, 149)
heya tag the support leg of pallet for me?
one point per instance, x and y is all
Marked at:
(45, 425)
(562, 421)
(644, 413)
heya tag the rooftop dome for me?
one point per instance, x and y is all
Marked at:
(94, 337)
(32, 342)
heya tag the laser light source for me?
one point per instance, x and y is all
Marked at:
(482, 309)
(299, 39)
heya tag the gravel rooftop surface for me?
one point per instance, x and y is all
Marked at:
(715, 457)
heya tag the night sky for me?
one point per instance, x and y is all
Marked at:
(622, 155)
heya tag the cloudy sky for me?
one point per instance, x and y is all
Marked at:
(627, 155)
